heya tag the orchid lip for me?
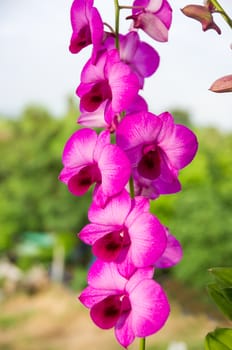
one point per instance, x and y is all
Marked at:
(109, 247)
(149, 165)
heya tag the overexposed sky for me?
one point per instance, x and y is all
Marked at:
(36, 66)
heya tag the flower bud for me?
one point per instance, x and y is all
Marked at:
(223, 84)
(203, 15)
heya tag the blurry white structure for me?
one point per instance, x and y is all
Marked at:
(177, 346)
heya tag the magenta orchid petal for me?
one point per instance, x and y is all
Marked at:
(73, 154)
(115, 169)
(138, 276)
(79, 183)
(87, 27)
(106, 313)
(148, 240)
(137, 129)
(153, 26)
(102, 141)
(142, 58)
(114, 213)
(124, 86)
(81, 36)
(138, 105)
(149, 308)
(94, 119)
(67, 173)
(124, 330)
(96, 29)
(146, 60)
(179, 143)
(105, 276)
(154, 18)
(154, 5)
(91, 296)
(93, 232)
(172, 254)
(165, 13)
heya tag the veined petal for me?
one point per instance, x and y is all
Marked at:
(96, 28)
(102, 141)
(94, 72)
(168, 127)
(138, 276)
(80, 182)
(124, 86)
(137, 129)
(149, 308)
(106, 276)
(128, 46)
(163, 187)
(123, 330)
(138, 105)
(114, 213)
(178, 142)
(115, 169)
(92, 232)
(106, 313)
(93, 119)
(139, 205)
(146, 60)
(79, 148)
(67, 173)
(91, 296)
(154, 5)
(148, 240)
(153, 26)
(141, 3)
(165, 13)
(172, 254)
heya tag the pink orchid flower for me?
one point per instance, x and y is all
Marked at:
(87, 27)
(89, 158)
(154, 17)
(135, 307)
(109, 83)
(157, 148)
(140, 56)
(125, 232)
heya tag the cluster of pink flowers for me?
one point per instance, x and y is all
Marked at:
(142, 163)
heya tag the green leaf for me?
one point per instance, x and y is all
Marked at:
(220, 296)
(223, 275)
(220, 339)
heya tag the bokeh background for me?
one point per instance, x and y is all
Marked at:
(42, 263)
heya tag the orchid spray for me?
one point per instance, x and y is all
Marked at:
(134, 158)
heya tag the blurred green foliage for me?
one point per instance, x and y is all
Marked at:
(200, 215)
(32, 199)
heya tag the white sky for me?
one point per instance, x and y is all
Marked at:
(36, 66)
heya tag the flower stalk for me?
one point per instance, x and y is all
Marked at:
(142, 344)
(218, 8)
(117, 20)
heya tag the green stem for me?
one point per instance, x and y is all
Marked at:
(142, 344)
(131, 7)
(132, 190)
(220, 9)
(117, 17)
